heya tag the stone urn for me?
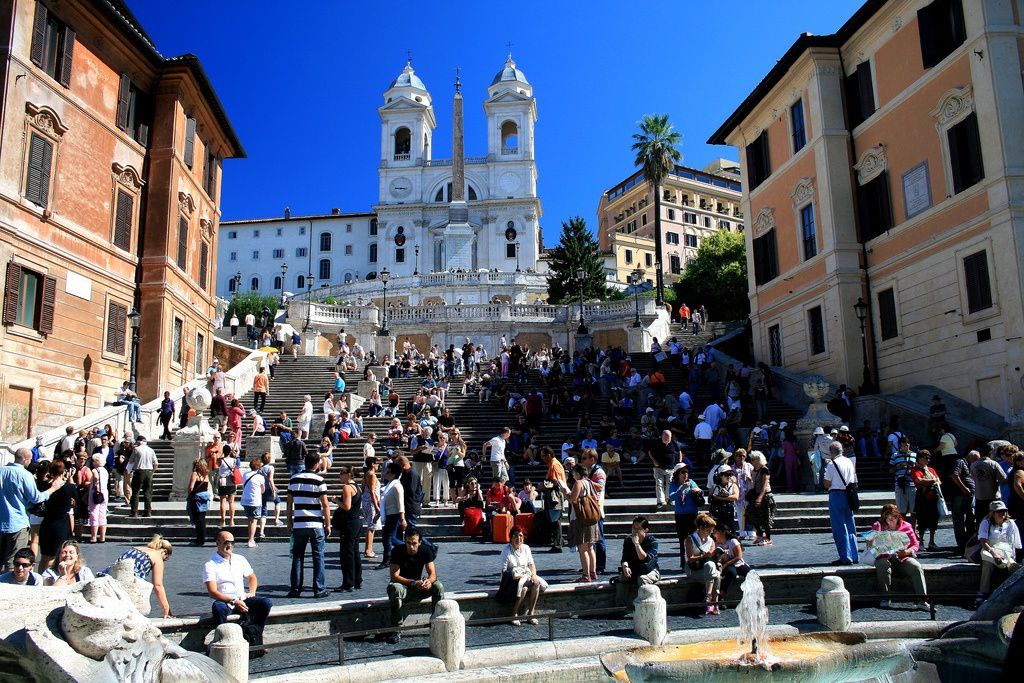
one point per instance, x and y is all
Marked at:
(816, 388)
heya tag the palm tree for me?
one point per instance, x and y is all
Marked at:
(656, 154)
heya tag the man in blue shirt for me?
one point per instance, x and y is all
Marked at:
(639, 566)
(17, 492)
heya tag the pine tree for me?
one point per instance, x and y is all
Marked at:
(576, 248)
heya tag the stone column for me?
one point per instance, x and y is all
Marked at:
(384, 346)
(231, 651)
(650, 615)
(256, 445)
(833, 604)
(366, 387)
(448, 634)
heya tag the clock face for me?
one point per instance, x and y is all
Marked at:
(401, 187)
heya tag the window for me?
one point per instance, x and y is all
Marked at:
(707, 221)
(671, 214)
(399, 255)
(648, 260)
(689, 217)
(796, 119)
(774, 345)
(325, 269)
(40, 166)
(979, 288)
(199, 360)
(232, 285)
(177, 332)
(941, 27)
(190, 141)
(348, 250)
(444, 194)
(643, 219)
(254, 284)
(887, 313)
(233, 256)
(210, 177)
(279, 232)
(182, 259)
(807, 232)
(373, 227)
(965, 153)
(766, 263)
(255, 233)
(53, 45)
(816, 329)
(302, 229)
(133, 111)
(690, 241)
(860, 95)
(348, 227)
(631, 226)
(300, 282)
(277, 282)
(724, 225)
(758, 160)
(325, 241)
(277, 253)
(629, 255)
(29, 298)
(300, 252)
(255, 254)
(672, 238)
(204, 264)
(875, 211)
(233, 235)
(373, 253)
(124, 212)
(675, 265)
(510, 250)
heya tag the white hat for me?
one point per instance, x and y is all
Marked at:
(701, 417)
(649, 410)
(783, 425)
(833, 432)
(818, 431)
(724, 469)
(844, 428)
(773, 423)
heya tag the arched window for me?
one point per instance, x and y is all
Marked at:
(509, 138)
(403, 144)
(348, 277)
(300, 282)
(231, 284)
(278, 283)
(373, 227)
(444, 194)
(325, 269)
(325, 241)
(254, 284)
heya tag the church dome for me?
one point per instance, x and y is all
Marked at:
(510, 73)
(408, 79)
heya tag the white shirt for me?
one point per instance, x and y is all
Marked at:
(497, 449)
(512, 558)
(844, 466)
(703, 431)
(250, 319)
(229, 576)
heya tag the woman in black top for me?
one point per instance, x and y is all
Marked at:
(57, 525)
(348, 520)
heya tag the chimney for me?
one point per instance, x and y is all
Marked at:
(335, 211)
(287, 212)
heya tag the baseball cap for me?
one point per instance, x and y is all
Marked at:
(996, 505)
(834, 432)
(724, 469)
(783, 425)
(649, 410)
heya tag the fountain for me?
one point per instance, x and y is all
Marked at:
(816, 657)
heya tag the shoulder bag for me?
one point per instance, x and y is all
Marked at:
(588, 512)
(852, 496)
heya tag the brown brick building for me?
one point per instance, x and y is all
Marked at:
(110, 161)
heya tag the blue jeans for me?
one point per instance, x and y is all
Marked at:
(134, 409)
(259, 609)
(600, 552)
(390, 535)
(844, 532)
(295, 468)
(316, 539)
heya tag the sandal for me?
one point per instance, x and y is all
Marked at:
(532, 622)
(516, 622)
(370, 554)
(583, 579)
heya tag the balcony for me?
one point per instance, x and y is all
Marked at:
(402, 157)
(509, 151)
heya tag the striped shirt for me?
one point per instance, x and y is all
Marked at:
(305, 490)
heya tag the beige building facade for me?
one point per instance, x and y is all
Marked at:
(694, 204)
(883, 164)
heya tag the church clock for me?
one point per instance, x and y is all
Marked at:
(400, 188)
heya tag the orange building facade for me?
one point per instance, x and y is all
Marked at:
(883, 164)
(95, 182)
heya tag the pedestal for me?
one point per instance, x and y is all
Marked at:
(817, 414)
(650, 620)
(833, 604)
(230, 649)
(257, 445)
(310, 342)
(366, 387)
(583, 341)
(384, 346)
(448, 634)
(189, 444)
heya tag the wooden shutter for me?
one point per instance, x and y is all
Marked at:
(182, 242)
(66, 57)
(40, 157)
(117, 318)
(12, 290)
(142, 136)
(190, 140)
(39, 35)
(49, 303)
(204, 255)
(979, 287)
(123, 220)
(124, 94)
(965, 153)
(887, 314)
(929, 27)
(865, 90)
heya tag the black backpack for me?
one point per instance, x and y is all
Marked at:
(253, 635)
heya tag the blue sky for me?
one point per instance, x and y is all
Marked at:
(302, 87)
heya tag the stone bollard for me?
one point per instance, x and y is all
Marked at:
(231, 651)
(448, 634)
(833, 604)
(650, 615)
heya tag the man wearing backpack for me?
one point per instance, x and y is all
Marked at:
(295, 456)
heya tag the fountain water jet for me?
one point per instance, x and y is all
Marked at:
(753, 616)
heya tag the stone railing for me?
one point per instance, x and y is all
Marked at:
(532, 283)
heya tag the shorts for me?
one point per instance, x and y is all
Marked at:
(253, 511)
(906, 498)
(226, 490)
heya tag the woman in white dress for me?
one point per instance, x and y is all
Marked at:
(305, 418)
(517, 559)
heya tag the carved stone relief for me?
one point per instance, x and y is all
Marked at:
(872, 162)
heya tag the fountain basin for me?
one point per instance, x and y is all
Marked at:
(810, 658)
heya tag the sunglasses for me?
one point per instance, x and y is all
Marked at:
(227, 543)
(22, 565)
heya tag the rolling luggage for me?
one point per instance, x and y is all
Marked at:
(501, 524)
(524, 520)
(472, 522)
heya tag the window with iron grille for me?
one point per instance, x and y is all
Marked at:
(775, 345)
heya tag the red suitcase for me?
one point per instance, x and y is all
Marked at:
(473, 522)
(501, 524)
(524, 520)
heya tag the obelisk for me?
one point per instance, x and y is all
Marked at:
(458, 151)
(458, 234)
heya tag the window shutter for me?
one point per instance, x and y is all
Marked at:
(887, 314)
(123, 97)
(49, 303)
(182, 242)
(123, 221)
(142, 136)
(190, 140)
(12, 290)
(39, 34)
(204, 255)
(979, 288)
(117, 317)
(928, 25)
(65, 60)
(40, 156)
(865, 90)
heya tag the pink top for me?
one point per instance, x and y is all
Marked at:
(908, 530)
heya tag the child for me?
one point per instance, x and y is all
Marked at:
(733, 564)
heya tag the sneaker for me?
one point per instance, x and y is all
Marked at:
(294, 593)
(321, 594)
(252, 544)
(393, 638)
(884, 604)
(922, 607)
(278, 523)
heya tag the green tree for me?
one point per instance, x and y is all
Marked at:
(657, 156)
(252, 302)
(717, 277)
(576, 248)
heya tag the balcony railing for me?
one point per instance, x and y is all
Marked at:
(402, 157)
(508, 151)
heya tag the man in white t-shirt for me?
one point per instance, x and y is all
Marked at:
(226, 576)
(840, 474)
(499, 465)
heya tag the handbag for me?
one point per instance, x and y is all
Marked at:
(943, 508)
(852, 496)
(506, 594)
(236, 474)
(588, 512)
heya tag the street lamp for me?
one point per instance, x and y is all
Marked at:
(384, 277)
(284, 271)
(310, 280)
(861, 309)
(238, 282)
(635, 278)
(582, 329)
(517, 255)
(416, 266)
(134, 320)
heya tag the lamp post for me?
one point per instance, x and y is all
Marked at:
(517, 255)
(582, 329)
(416, 266)
(861, 309)
(384, 277)
(310, 280)
(238, 282)
(134, 320)
(635, 278)
(284, 271)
